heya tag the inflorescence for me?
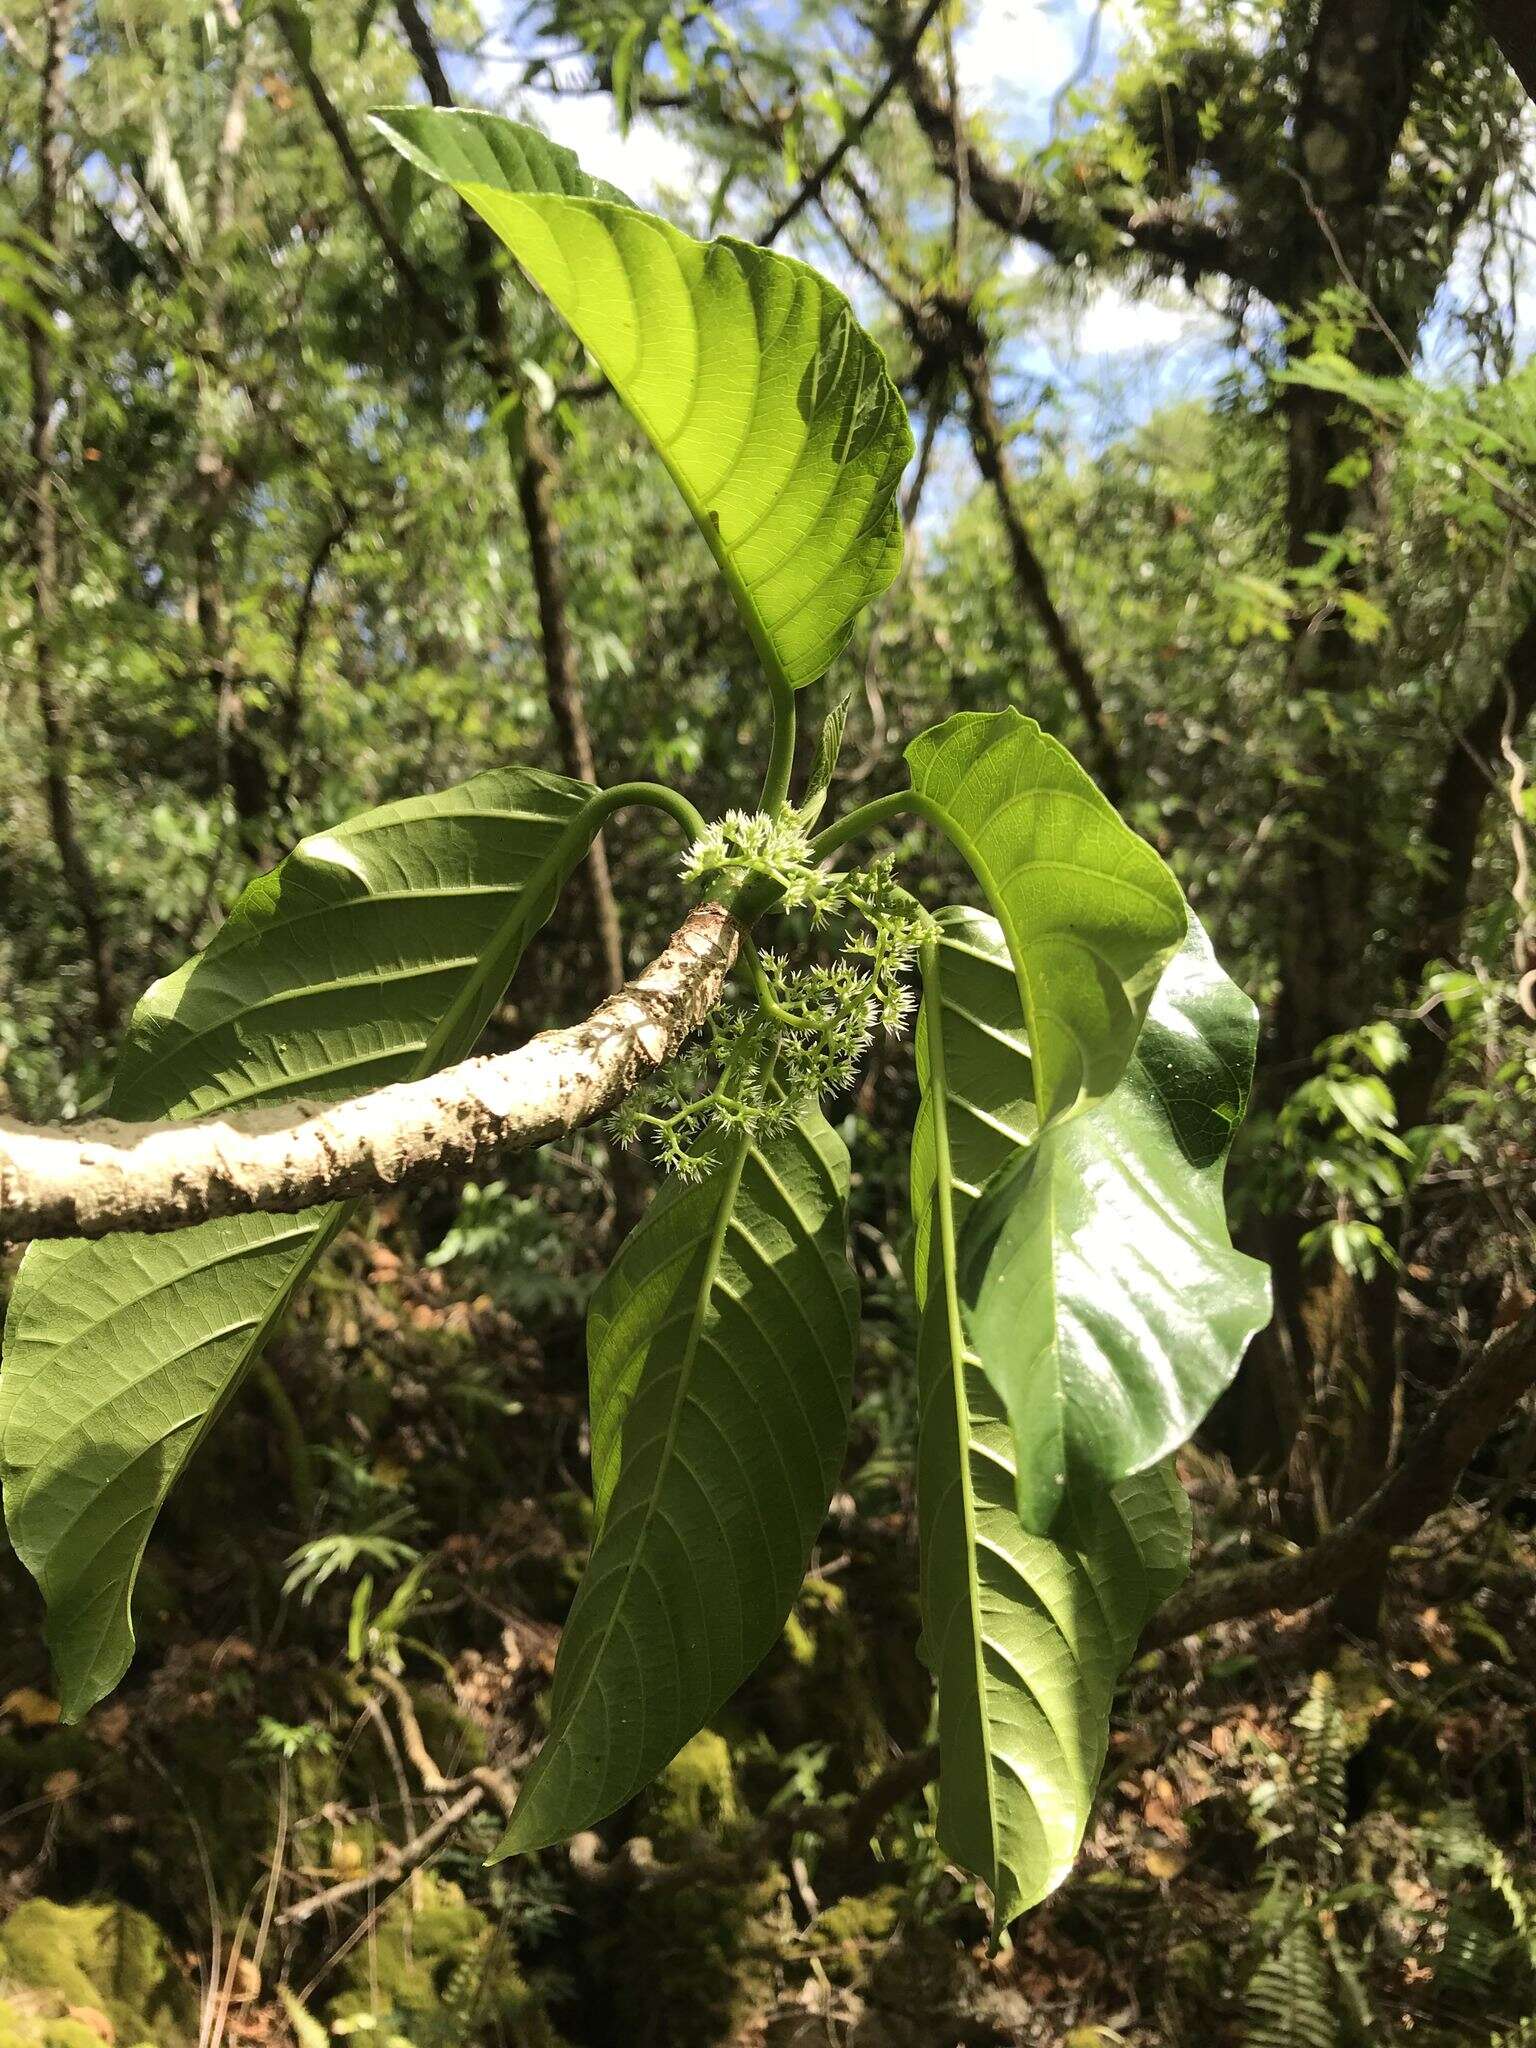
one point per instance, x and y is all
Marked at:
(801, 1032)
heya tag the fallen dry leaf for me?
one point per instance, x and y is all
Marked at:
(33, 1709)
(110, 1724)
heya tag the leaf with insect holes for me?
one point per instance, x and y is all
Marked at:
(769, 404)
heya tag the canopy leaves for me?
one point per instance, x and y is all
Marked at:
(373, 953)
(769, 404)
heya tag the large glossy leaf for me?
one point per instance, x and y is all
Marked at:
(1027, 1636)
(1027, 1632)
(1099, 1285)
(721, 1354)
(768, 403)
(372, 954)
(1090, 914)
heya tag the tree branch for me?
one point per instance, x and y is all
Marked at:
(1452, 833)
(845, 1830)
(990, 448)
(815, 182)
(480, 244)
(533, 459)
(533, 462)
(295, 36)
(1512, 25)
(1498, 1379)
(91, 1179)
(395, 1865)
(1192, 248)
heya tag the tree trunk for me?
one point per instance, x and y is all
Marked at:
(1363, 64)
(1456, 817)
(241, 764)
(535, 464)
(43, 536)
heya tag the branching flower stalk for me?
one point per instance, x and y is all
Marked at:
(804, 1030)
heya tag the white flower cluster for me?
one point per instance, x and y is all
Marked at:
(804, 1030)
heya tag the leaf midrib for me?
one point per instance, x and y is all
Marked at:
(981, 868)
(713, 1255)
(752, 616)
(943, 1197)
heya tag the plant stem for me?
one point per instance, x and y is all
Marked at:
(782, 755)
(653, 796)
(767, 1001)
(290, 1432)
(868, 817)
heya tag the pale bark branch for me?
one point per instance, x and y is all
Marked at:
(91, 1179)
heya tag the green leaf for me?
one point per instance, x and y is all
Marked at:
(373, 953)
(1026, 1634)
(721, 1355)
(622, 74)
(770, 406)
(1090, 914)
(829, 745)
(1099, 1286)
(21, 300)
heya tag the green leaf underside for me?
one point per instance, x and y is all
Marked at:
(721, 1357)
(1090, 913)
(829, 744)
(1098, 1283)
(373, 953)
(1027, 1633)
(770, 406)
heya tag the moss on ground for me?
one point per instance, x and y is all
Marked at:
(690, 1962)
(695, 1795)
(435, 1973)
(99, 1957)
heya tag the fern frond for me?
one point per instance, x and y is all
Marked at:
(1320, 1767)
(1290, 1996)
(1467, 1967)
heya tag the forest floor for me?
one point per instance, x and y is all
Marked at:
(351, 1608)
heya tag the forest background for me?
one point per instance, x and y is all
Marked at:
(1214, 318)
